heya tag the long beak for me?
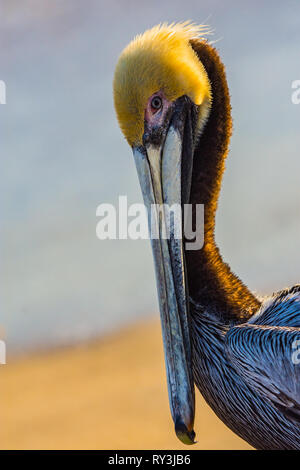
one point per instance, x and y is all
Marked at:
(165, 181)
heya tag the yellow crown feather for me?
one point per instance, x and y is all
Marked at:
(160, 59)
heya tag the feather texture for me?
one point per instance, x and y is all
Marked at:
(160, 59)
(247, 373)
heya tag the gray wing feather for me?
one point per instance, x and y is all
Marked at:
(268, 358)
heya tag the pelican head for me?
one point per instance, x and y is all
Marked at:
(162, 97)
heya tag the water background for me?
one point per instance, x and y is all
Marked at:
(62, 154)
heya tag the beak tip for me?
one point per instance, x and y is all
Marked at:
(183, 434)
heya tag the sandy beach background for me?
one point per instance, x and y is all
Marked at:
(109, 394)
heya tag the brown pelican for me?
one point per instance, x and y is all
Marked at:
(173, 106)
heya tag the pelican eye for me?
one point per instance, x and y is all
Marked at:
(156, 103)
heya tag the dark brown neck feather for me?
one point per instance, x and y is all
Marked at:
(211, 282)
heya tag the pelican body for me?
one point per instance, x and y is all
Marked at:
(172, 102)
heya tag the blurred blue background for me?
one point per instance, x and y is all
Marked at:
(62, 154)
